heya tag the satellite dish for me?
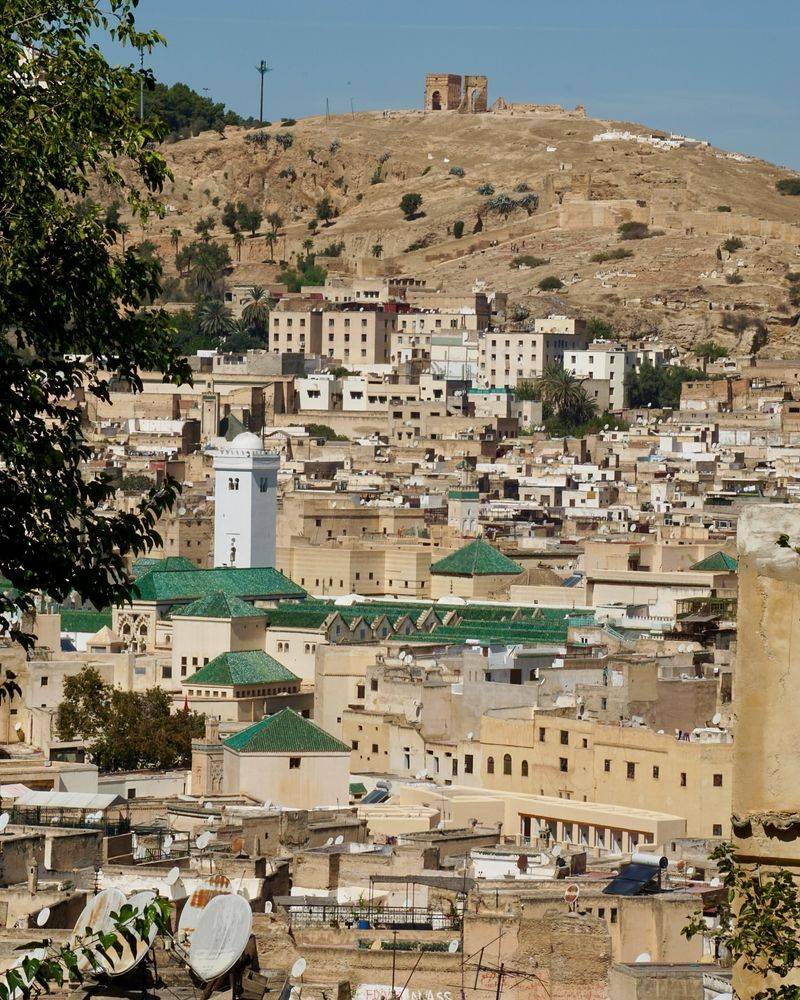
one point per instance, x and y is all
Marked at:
(571, 893)
(222, 932)
(298, 968)
(4, 818)
(716, 719)
(169, 840)
(715, 881)
(339, 840)
(268, 907)
(557, 850)
(267, 804)
(644, 957)
(440, 825)
(470, 736)
(208, 805)
(173, 875)
(203, 840)
(329, 842)
(39, 954)
(43, 916)
(97, 916)
(117, 965)
(453, 947)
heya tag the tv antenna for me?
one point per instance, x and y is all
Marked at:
(262, 69)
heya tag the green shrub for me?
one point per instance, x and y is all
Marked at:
(723, 208)
(732, 244)
(288, 122)
(333, 249)
(457, 171)
(633, 231)
(620, 253)
(284, 139)
(485, 189)
(551, 283)
(522, 187)
(734, 279)
(789, 185)
(410, 204)
(458, 229)
(323, 433)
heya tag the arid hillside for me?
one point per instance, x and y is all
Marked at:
(679, 280)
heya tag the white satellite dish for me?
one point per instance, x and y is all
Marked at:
(715, 881)
(470, 736)
(267, 804)
(339, 840)
(644, 957)
(298, 968)
(220, 937)
(120, 964)
(4, 818)
(208, 805)
(329, 842)
(43, 916)
(203, 840)
(571, 893)
(716, 719)
(97, 915)
(440, 825)
(169, 840)
(557, 850)
(268, 907)
(39, 954)
(453, 947)
(173, 875)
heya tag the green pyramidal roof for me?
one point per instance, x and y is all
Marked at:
(257, 582)
(476, 559)
(147, 564)
(219, 605)
(718, 562)
(252, 666)
(285, 732)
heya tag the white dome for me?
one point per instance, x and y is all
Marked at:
(247, 441)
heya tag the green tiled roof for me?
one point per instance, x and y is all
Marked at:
(718, 562)
(85, 621)
(170, 564)
(263, 582)
(476, 559)
(285, 732)
(463, 495)
(251, 666)
(358, 788)
(219, 605)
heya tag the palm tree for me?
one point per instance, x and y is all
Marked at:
(124, 229)
(175, 236)
(238, 240)
(561, 390)
(204, 227)
(308, 244)
(214, 318)
(271, 239)
(256, 310)
(377, 249)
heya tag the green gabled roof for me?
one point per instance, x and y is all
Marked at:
(170, 564)
(463, 495)
(358, 788)
(718, 562)
(252, 666)
(85, 621)
(476, 559)
(219, 605)
(285, 732)
(263, 582)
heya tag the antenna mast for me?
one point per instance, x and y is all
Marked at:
(262, 69)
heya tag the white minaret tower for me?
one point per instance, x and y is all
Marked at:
(245, 496)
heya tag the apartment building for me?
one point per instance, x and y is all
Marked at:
(511, 356)
(296, 329)
(604, 362)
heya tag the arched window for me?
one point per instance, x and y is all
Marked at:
(490, 765)
(507, 763)
(524, 769)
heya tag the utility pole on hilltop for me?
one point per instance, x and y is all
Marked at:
(262, 69)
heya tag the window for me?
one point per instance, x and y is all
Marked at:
(607, 766)
(656, 772)
(166, 673)
(585, 743)
(683, 779)
(294, 763)
(360, 691)
(524, 769)
(604, 703)
(468, 763)
(507, 763)
(354, 744)
(563, 764)
(373, 684)
(490, 765)
(613, 914)
(541, 734)
(717, 781)
(564, 738)
(375, 748)
(717, 830)
(631, 770)
(43, 682)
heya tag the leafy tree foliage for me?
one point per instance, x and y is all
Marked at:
(206, 264)
(69, 118)
(788, 185)
(410, 204)
(325, 212)
(659, 387)
(564, 394)
(136, 482)
(126, 730)
(306, 272)
(757, 923)
(732, 244)
(324, 433)
(619, 253)
(551, 283)
(599, 329)
(185, 112)
(214, 318)
(458, 228)
(256, 310)
(709, 352)
(633, 230)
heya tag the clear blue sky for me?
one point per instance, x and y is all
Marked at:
(726, 71)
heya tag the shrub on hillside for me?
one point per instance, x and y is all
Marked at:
(551, 283)
(633, 231)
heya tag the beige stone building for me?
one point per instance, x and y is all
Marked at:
(508, 357)
(477, 571)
